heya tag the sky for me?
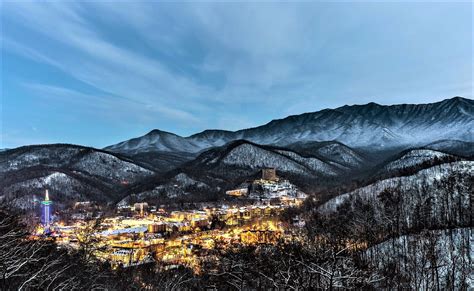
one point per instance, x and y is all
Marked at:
(97, 73)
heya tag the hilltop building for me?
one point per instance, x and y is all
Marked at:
(269, 174)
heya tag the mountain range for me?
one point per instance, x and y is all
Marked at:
(321, 150)
(358, 126)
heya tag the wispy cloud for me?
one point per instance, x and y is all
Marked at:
(191, 66)
(117, 108)
(105, 66)
(27, 52)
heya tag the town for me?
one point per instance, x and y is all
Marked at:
(141, 233)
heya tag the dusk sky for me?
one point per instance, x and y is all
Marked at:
(99, 73)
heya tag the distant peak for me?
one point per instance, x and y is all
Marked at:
(210, 132)
(239, 142)
(236, 143)
(373, 104)
(457, 99)
(215, 130)
(458, 104)
(367, 105)
(159, 132)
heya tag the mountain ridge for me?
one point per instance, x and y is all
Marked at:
(67, 171)
(364, 125)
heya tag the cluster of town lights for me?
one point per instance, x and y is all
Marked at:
(174, 237)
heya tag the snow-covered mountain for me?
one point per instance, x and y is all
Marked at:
(69, 171)
(179, 186)
(369, 125)
(64, 187)
(162, 151)
(250, 157)
(77, 158)
(331, 151)
(157, 141)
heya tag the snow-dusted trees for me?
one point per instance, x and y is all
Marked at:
(27, 264)
(287, 266)
(431, 260)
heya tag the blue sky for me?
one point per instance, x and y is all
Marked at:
(96, 73)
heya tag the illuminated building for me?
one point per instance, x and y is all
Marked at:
(237, 192)
(157, 227)
(46, 209)
(130, 256)
(141, 208)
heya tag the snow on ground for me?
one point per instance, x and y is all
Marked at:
(248, 155)
(428, 259)
(178, 186)
(312, 163)
(55, 157)
(110, 167)
(341, 154)
(256, 157)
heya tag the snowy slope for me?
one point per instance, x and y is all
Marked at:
(162, 162)
(417, 189)
(110, 168)
(333, 151)
(341, 154)
(159, 141)
(26, 157)
(88, 160)
(62, 188)
(413, 257)
(414, 158)
(178, 186)
(69, 171)
(312, 163)
(246, 155)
